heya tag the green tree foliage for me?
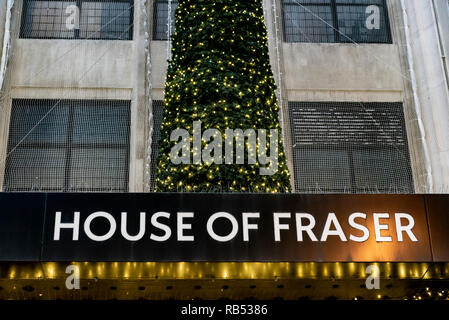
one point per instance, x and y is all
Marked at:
(220, 74)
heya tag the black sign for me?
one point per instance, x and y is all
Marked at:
(223, 227)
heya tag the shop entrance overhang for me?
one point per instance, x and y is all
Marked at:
(230, 246)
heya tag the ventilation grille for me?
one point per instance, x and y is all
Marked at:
(158, 112)
(350, 148)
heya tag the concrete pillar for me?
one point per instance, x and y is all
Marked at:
(442, 15)
(273, 22)
(138, 134)
(432, 86)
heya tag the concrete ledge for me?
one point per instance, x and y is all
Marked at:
(344, 95)
(71, 93)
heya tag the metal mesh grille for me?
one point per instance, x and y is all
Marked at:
(68, 146)
(161, 19)
(350, 148)
(334, 21)
(158, 111)
(352, 22)
(302, 25)
(109, 20)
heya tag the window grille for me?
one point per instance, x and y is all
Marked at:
(160, 26)
(158, 110)
(68, 146)
(350, 148)
(335, 21)
(78, 19)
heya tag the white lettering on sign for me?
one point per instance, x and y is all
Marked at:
(184, 226)
(247, 226)
(338, 231)
(100, 214)
(358, 226)
(229, 217)
(354, 227)
(378, 227)
(155, 222)
(278, 226)
(75, 226)
(300, 228)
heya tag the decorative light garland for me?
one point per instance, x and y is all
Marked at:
(278, 58)
(435, 293)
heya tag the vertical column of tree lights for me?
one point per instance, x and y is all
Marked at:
(219, 74)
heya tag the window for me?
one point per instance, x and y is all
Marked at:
(361, 21)
(161, 19)
(158, 113)
(68, 145)
(350, 148)
(52, 19)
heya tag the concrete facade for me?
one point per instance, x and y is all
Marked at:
(429, 29)
(101, 69)
(2, 24)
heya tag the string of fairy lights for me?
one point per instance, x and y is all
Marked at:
(169, 29)
(220, 74)
(437, 293)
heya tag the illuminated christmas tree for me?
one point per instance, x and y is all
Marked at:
(220, 78)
